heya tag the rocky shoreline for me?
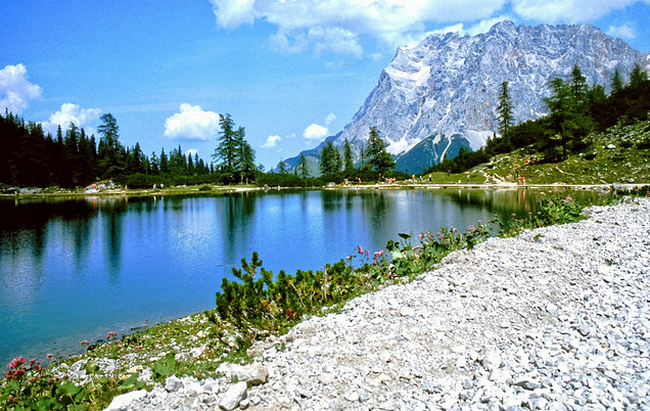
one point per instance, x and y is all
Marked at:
(556, 318)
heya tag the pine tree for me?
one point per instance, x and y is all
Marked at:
(505, 110)
(330, 159)
(282, 167)
(164, 162)
(348, 157)
(225, 152)
(617, 82)
(110, 153)
(638, 76)
(244, 161)
(378, 157)
(303, 168)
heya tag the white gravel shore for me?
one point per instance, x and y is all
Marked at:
(556, 318)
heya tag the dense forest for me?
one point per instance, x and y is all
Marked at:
(575, 110)
(32, 158)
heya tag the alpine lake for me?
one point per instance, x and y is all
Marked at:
(74, 269)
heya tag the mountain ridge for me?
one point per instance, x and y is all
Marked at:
(443, 92)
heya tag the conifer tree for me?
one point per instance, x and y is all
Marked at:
(378, 157)
(225, 152)
(505, 110)
(638, 75)
(244, 160)
(617, 82)
(348, 157)
(303, 168)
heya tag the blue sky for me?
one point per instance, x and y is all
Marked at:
(290, 71)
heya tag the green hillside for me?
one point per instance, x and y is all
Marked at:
(621, 154)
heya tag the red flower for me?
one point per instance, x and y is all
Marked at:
(16, 362)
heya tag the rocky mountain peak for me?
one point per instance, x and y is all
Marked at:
(441, 94)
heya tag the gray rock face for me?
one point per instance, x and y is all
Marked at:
(557, 318)
(443, 92)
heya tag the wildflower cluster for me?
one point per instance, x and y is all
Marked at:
(550, 211)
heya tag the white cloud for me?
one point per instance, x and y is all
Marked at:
(85, 118)
(341, 26)
(336, 25)
(272, 141)
(568, 11)
(192, 123)
(315, 132)
(624, 31)
(330, 118)
(192, 152)
(15, 90)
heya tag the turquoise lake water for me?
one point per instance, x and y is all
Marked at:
(74, 270)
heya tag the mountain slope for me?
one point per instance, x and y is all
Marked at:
(447, 86)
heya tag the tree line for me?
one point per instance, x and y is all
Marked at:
(30, 157)
(575, 110)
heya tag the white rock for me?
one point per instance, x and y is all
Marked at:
(125, 400)
(235, 394)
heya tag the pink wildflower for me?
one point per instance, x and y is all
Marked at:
(137, 347)
(85, 342)
(360, 249)
(50, 356)
(421, 236)
(568, 199)
(110, 335)
(471, 229)
(379, 253)
(51, 380)
(18, 361)
(32, 380)
(417, 247)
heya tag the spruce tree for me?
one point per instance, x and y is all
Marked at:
(378, 157)
(505, 110)
(348, 157)
(638, 76)
(617, 82)
(225, 152)
(303, 168)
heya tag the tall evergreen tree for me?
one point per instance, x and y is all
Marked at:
(378, 157)
(617, 82)
(505, 110)
(225, 152)
(164, 162)
(244, 161)
(348, 157)
(282, 167)
(638, 75)
(330, 159)
(303, 168)
(110, 154)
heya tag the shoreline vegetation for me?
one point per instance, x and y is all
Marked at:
(203, 189)
(249, 313)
